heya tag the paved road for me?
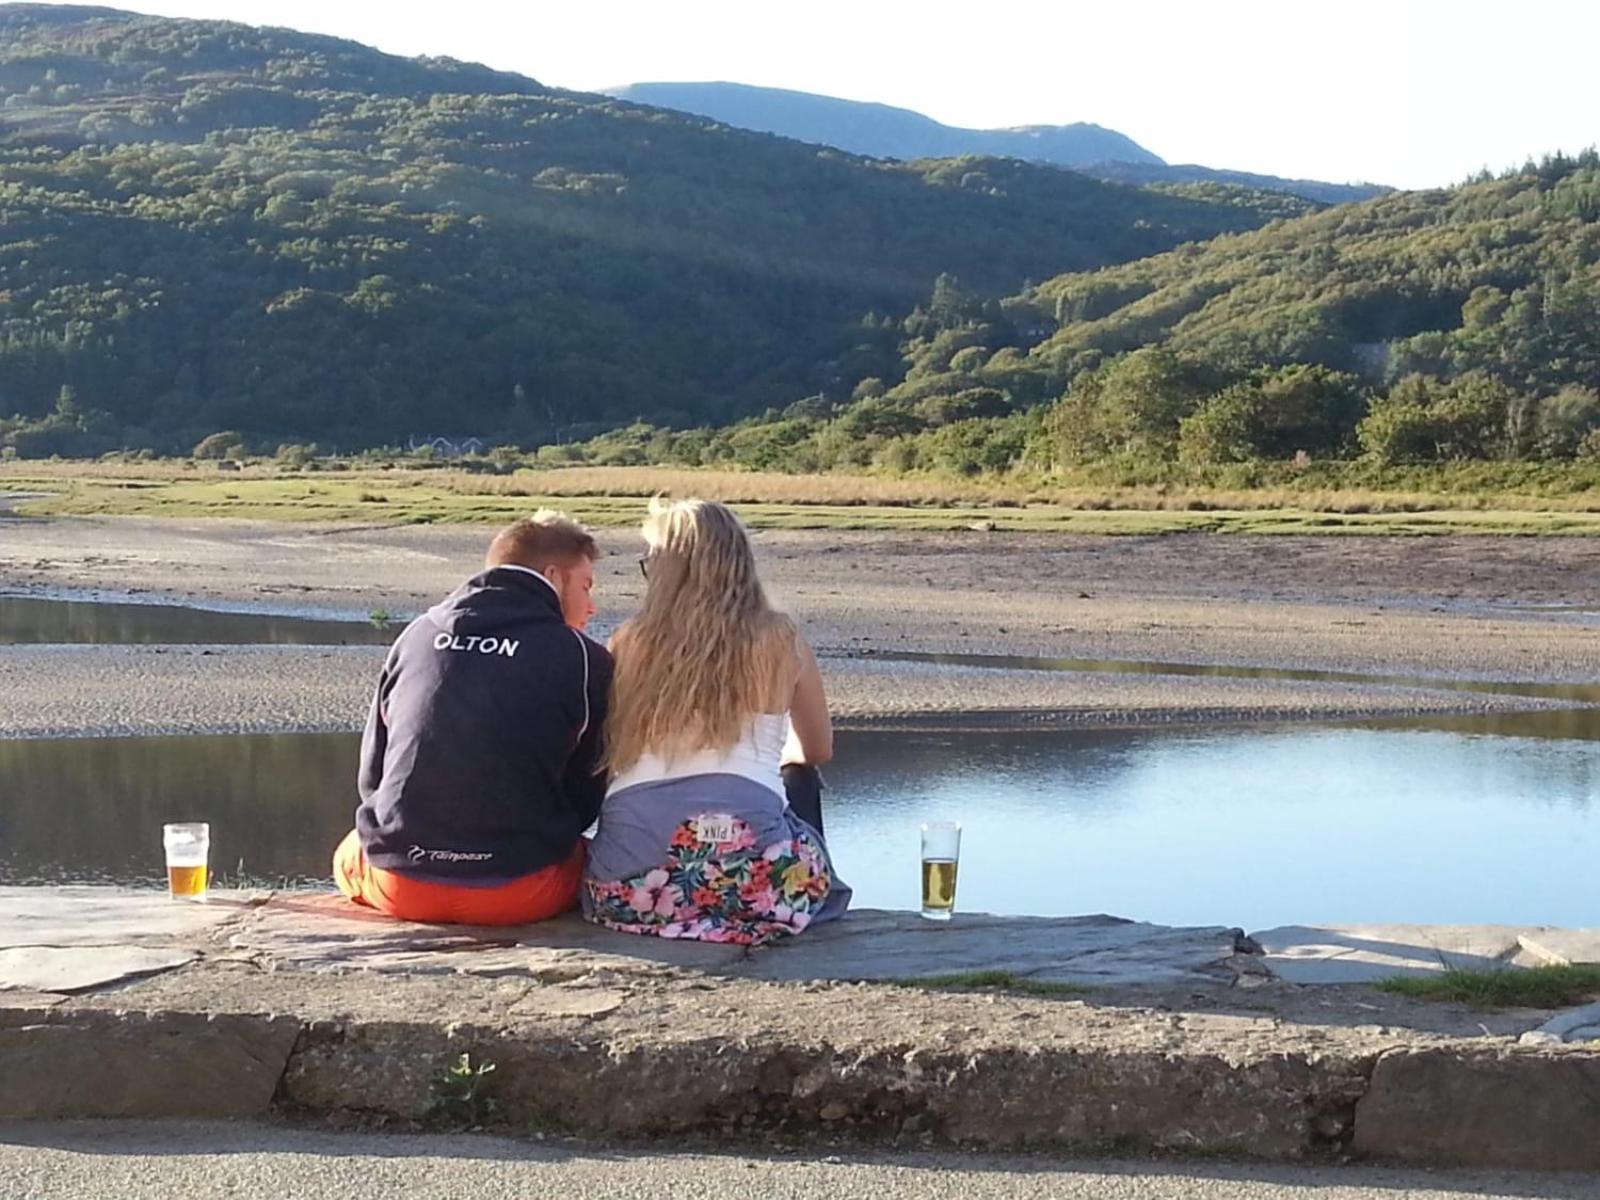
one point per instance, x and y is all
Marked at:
(141, 1161)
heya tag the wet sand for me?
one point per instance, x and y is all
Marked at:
(1448, 607)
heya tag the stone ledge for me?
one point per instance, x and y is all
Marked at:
(1268, 1105)
(60, 1062)
(1483, 1107)
(304, 1004)
(71, 939)
(879, 1079)
(992, 1072)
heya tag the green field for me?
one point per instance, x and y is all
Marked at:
(414, 496)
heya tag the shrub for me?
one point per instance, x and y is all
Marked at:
(225, 444)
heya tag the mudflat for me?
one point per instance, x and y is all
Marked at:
(1427, 608)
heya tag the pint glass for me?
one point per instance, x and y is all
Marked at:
(941, 851)
(188, 848)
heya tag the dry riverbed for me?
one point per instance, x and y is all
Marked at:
(1442, 607)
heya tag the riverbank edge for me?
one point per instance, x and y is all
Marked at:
(1436, 1102)
(98, 691)
(865, 600)
(999, 722)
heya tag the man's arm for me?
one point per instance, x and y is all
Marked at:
(583, 781)
(375, 737)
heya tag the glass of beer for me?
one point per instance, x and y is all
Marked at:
(941, 850)
(188, 847)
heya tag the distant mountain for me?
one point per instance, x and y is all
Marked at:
(881, 130)
(1156, 173)
(887, 132)
(207, 226)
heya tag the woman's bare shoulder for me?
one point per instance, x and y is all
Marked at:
(620, 637)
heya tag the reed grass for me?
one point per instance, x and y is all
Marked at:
(1532, 987)
(617, 495)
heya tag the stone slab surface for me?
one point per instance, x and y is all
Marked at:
(1574, 1025)
(877, 945)
(105, 916)
(327, 932)
(1334, 954)
(78, 968)
(869, 945)
(16, 998)
(67, 939)
(319, 931)
(1563, 947)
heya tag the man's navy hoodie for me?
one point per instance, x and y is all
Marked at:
(480, 760)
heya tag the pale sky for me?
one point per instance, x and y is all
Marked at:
(1414, 93)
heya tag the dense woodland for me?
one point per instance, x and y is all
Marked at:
(1417, 327)
(207, 227)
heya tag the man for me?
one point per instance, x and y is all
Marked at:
(480, 761)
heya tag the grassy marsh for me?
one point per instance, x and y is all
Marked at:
(616, 496)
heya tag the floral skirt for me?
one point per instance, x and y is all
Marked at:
(717, 885)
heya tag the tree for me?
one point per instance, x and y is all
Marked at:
(1275, 414)
(67, 406)
(1484, 307)
(1397, 431)
(1565, 420)
(227, 443)
(291, 456)
(970, 404)
(1470, 417)
(879, 418)
(1133, 405)
(1428, 420)
(1225, 429)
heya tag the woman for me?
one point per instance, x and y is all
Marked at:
(715, 697)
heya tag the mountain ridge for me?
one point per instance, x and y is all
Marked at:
(887, 131)
(881, 130)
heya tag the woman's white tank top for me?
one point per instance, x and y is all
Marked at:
(755, 756)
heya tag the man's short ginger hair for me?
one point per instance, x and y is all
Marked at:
(546, 539)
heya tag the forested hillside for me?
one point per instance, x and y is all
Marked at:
(1189, 173)
(206, 226)
(1417, 327)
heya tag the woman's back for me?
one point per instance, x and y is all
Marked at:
(696, 838)
(756, 756)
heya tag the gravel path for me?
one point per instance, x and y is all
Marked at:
(137, 1161)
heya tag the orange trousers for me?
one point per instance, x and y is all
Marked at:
(546, 893)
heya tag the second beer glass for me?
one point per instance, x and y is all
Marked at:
(941, 853)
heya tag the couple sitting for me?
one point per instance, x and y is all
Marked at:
(500, 732)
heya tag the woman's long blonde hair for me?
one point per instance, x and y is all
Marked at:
(706, 652)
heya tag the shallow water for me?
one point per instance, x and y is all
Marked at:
(29, 620)
(1479, 821)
